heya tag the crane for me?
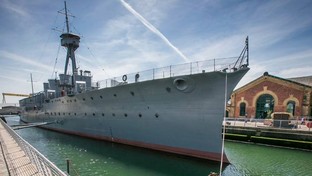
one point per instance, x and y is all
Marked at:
(13, 94)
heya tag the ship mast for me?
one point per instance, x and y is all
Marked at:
(71, 43)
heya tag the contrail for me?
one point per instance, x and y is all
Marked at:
(153, 29)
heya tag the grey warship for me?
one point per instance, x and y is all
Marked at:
(177, 109)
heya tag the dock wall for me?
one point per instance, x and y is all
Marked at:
(271, 136)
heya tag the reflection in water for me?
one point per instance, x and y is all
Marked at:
(91, 157)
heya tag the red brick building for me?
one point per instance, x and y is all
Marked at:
(268, 94)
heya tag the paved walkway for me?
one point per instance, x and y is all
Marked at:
(13, 160)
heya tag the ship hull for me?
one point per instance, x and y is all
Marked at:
(181, 115)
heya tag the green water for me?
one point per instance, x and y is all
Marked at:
(91, 157)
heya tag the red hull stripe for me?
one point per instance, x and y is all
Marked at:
(176, 150)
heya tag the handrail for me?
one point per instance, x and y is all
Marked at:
(44, 166)
(291, 124)
(222, 65)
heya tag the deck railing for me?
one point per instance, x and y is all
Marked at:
(225, 65)
(43, 165)
(291, 124)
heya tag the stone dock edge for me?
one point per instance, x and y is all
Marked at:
(271, 136)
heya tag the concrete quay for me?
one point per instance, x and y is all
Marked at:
(298, 136)
(18, 158)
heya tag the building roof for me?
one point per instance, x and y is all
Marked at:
(300, 81)
(307, 80)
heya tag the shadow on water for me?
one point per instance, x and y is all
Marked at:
(93, 157)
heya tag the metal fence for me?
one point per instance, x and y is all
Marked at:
(43, 165)
(225, 64)
(292, 124)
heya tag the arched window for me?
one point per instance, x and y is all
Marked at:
(291, 107)
(265, 106)
(242, 109)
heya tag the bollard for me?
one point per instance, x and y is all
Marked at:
(68, 162)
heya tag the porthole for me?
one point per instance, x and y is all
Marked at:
(93, 114)
(180, 83)
(103, 114)
(132, 93)
(91, 98)
(115, 95)
(75, 113)
(84, 99)
(140, 115)
(113, 114)
(168, 89)
(184, 84)
(156, 115)
(101, 96)
(126, 115)
(85, 114)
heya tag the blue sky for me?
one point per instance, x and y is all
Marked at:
(114, 41)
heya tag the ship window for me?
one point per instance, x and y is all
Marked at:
(115, 95)
(113, 114)
(69, 113)
(75, 100)
(85, 114)
(126, 114)
(75, 113)
(101, 96)
(132, 93)
(84, 99)
(63, 113)
(103, 114)
(91, 98)
(140, 115)
(93, 114)
(59, 113)
(242, 109)
(156, 115)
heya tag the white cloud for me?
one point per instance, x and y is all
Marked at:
(24, 60)
(15, 8)
(296, 72)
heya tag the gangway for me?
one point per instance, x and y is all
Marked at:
(12, 94)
